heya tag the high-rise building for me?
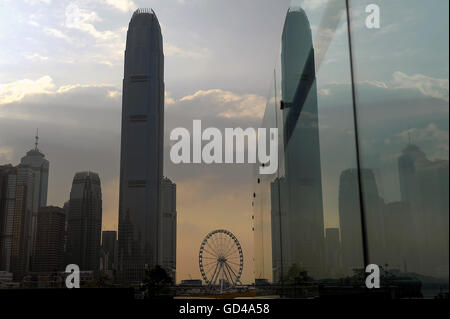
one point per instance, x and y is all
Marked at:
(49, 248)
(16, 202)
(169, 227)
(301, 225)
(36, 160)
(109, 249)
(424, 188)
(141, 162)
(333, 252)
(350, 219)
(85, 222)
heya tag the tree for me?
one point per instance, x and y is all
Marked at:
(156, 282)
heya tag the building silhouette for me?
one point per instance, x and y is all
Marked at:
(40, 165)
(169, 227)
(333, 252)
(424, 189)
(141, 162)
(16, 208)
(297, 215)
(109, 250)
(49, 248)
(85, 222)
(350, 219)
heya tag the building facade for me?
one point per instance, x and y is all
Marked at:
(16, 203)
(109, 250)
(49, 245)
(169, 227)
(298, 239)
(85, 222)
(141, 162)
(40, 165)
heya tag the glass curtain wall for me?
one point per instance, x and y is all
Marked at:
(363, 153)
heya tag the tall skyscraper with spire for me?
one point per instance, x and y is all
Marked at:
(141, 162)
(40, 166)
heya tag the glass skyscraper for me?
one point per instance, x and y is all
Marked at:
(141, 163)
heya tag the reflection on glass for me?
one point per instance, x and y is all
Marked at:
(403, 134)
(302, 242)
(308, 220)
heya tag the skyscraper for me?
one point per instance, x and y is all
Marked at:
(350, 219)
(16, 202)
(169, 227)
(49, 247)
(301, 224)
(85, 222)
(109, 248)
(333, 252)
(424, 188)
(36, 160)
(141, 162)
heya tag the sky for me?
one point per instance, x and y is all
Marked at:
(61, 70)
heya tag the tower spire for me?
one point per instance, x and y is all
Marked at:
(36, 139)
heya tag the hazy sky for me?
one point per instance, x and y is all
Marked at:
(61, 69)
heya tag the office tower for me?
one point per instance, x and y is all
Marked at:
(16, 203)
(141, 161)
(333, 252)
(401, 236)
(302, 225)
(109, 249)
(350, 219)
(85, 222)
(169, 227)
(66, 208)
(36, 160)
(49, 247)
(424, 187)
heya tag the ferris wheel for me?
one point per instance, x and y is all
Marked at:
(221, 259)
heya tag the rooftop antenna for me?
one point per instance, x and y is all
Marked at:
(37, 139)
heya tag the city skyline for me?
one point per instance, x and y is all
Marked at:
(66, 144)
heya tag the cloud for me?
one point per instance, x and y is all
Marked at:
(229, 104)
(35, 57)
(429, 135)
(122, 5)
(114, 94)
(17, 90)
(6, 154)
(428, 86)
(168, 100)
(56, 33)
(197, 53)
(313, 4)
(33, 2)
(81, 19)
